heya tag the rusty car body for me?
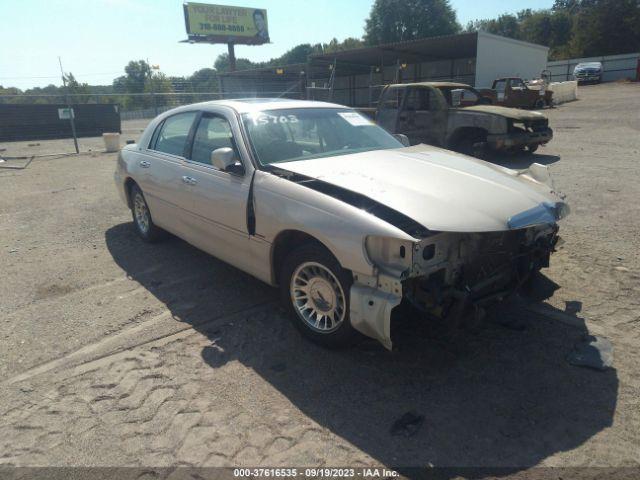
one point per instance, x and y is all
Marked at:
(458, 117)
(515, 92)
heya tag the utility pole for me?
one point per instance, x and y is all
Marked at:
(71, 114)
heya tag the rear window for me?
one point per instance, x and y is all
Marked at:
(173, 133)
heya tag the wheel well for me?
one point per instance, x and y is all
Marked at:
(285, 242)
(129, 182)
(466, 132)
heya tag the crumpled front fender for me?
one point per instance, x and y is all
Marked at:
(372, 300)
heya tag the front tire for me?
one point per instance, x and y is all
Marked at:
(315, 289)
(474, 145)
(142, 221)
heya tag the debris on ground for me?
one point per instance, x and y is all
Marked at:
(594, 352)
(407, 425)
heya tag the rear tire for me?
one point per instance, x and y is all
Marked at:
(142, 221)
(540, 103)
(315, 289)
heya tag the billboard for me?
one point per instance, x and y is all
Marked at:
(225, 24)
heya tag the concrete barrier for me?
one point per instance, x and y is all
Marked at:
(564, 91)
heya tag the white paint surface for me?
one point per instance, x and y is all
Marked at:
(504, 57)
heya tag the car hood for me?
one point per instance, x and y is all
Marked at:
(441, 190)
(513, 113)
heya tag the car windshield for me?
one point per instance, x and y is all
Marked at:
(303, 133)
(588, 65)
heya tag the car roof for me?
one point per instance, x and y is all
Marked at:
(589, 64)
(246, 105)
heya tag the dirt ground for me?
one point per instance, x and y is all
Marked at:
(117, 353)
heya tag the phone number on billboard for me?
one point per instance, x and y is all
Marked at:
(222, 27)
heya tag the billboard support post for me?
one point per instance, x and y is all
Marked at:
(232, 57)
(71, 115)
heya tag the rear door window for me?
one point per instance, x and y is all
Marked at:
(173, 135)
(392, 99)
(418, 99)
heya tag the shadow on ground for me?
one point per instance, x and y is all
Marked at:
(495, 397)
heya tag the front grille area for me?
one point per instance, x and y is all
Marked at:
(538, 125)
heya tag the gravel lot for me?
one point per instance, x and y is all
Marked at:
(116, 353)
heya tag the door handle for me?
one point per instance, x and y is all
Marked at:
(145, 164)
(189, 180)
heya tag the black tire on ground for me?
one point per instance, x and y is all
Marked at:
(540, 103)
(307, 256)
(142, 221)
(474, 145)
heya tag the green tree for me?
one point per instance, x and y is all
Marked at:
(222, 63)
(158, 84)
(605, 27)
(400, 20)
(336, 46)
(297, 54)
(204, 80)
(506, 25)
(78, 90)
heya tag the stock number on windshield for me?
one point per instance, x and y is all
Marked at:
(266, 119)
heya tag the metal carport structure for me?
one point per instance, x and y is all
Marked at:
(354, 77)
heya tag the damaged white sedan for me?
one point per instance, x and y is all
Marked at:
(316, 199)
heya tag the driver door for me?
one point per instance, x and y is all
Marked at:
(517, 93)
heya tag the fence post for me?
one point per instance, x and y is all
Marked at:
(71, 112)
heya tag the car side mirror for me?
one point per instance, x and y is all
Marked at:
(225, 159)
(403, 139)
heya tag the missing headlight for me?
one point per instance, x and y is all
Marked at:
(429, 251)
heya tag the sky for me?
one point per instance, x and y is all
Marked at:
(96, 38)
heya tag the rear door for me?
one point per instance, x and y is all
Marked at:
(164, 187)
(389, 108)
(218, 199)
(422, 119)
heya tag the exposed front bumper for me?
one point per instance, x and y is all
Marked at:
(519, 139)
(450, 272)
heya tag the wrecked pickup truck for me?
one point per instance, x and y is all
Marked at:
(458, 117)
(514, 92)
(316, 199)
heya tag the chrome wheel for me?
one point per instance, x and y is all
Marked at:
(141, 213)
(317, 297)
